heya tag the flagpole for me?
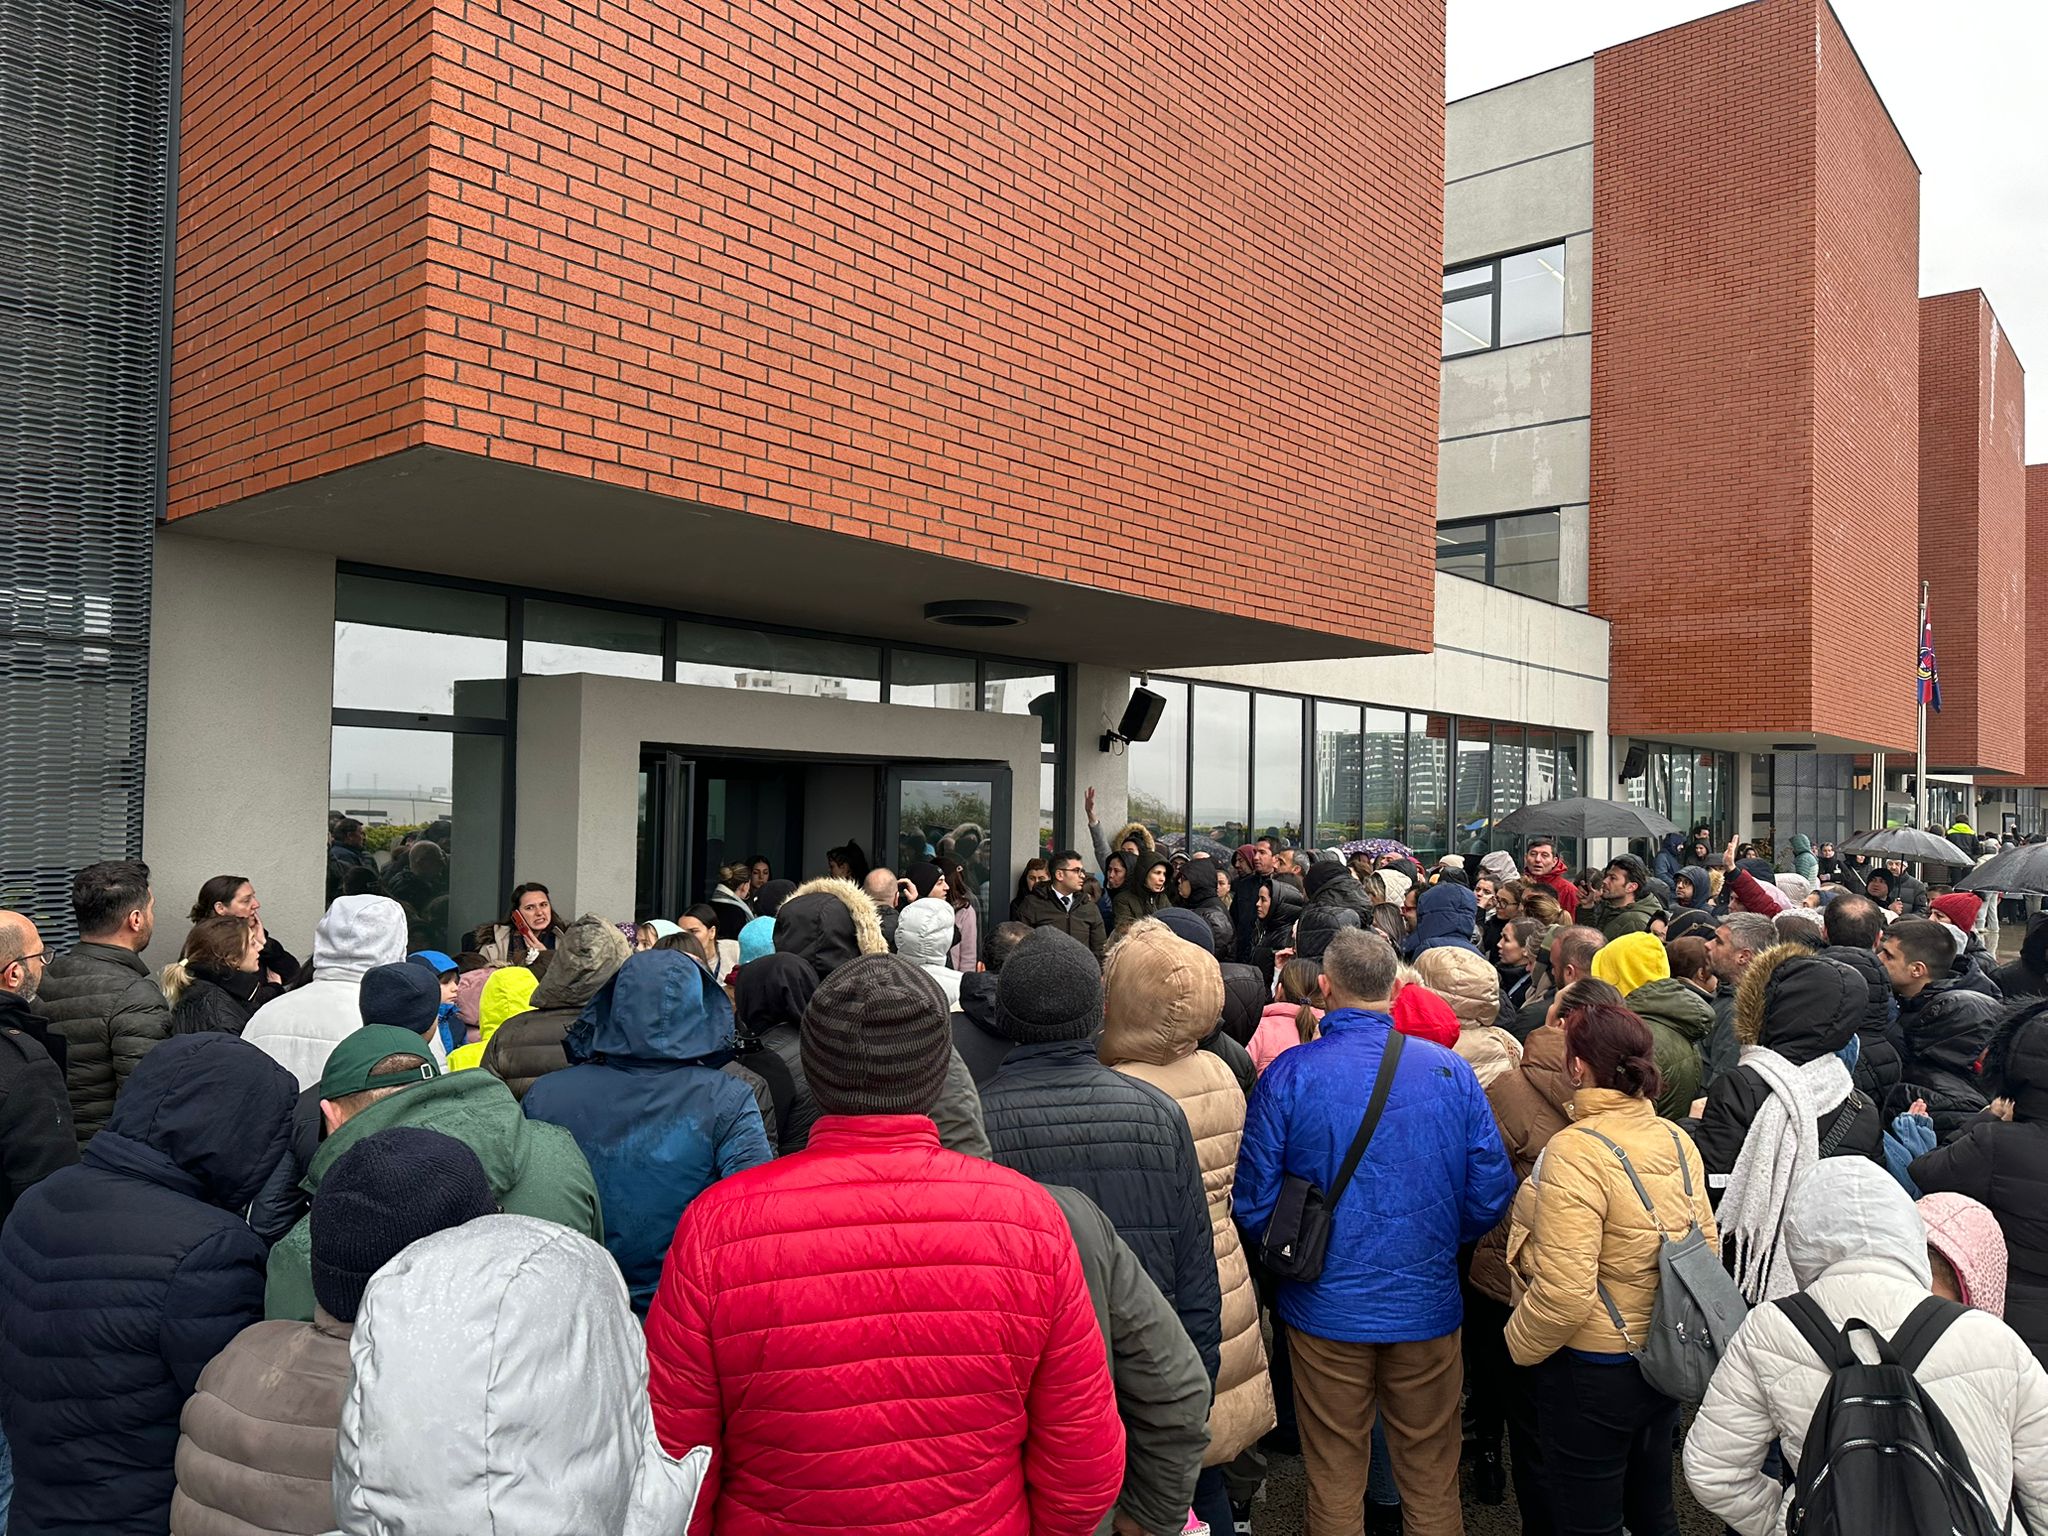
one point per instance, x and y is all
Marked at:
(1920, 744)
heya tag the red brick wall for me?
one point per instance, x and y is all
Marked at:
(1133, 297)
(1973, 532)
(2036, 487)
(299, 328)
(1753, 357)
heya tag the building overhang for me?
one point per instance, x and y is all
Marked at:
(1761, 741)
(455, 514)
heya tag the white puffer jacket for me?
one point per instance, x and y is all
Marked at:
(1858, 1248)
(924, 937)
(297, 1030)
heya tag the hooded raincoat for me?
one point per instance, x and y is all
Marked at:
(657, 1125)
(1161, 997)
(1638, 966)
(297, 1030)
(1857, 1248)
(505, 996)
(528, 1046)
(498, 1383)
(1445, 916)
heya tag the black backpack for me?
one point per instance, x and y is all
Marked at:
(1880, 1458)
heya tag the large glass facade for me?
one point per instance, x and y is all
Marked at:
(1689, 785)
(1436, 783)
(1816, 793)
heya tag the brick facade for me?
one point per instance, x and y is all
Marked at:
(2036, 483)
(1755, 333)
(1973, 533)
(1140, 298)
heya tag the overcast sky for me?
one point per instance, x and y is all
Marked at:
(1967, 84)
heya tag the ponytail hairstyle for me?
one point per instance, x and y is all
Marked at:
(1615, 1046)
(214, 944)
(1298, 978)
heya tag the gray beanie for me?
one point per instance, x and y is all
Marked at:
(1049, 989)
(876, 1040)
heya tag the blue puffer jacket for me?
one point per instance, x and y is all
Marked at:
(1445, 915)
(657, 1126)
(1434, 1177)
(122, 1276)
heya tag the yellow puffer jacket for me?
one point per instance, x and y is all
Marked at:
(1578, 1224)
(1162, 997)
(506, 995)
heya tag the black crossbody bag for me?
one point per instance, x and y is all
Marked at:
(1297, 1239)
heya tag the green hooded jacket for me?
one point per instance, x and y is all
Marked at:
(1679, 1017)
(533, 1169)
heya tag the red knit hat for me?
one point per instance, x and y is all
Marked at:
(1424, 1015)
(1960, 908)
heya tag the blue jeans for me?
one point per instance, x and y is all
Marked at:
(6, 1481)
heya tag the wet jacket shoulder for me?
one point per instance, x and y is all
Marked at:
(110, 1011)
(1162, 1392)
(122, 1276)
(36, 1135)
(1057, 1114)
(256, 1441)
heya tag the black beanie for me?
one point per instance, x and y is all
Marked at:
(876, 1040)
(1191, 926)
(1323, 871)
(406, 995)
(390, 1189)
(1049, 989)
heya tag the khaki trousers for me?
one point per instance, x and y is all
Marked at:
(1414, 1389)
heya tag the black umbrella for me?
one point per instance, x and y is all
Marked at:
(2022, 871)
(1914, 843)
(1584, 818)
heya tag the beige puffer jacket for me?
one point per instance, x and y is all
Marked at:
(1162, 997)
(1467, 981)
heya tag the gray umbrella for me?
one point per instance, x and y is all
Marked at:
(1913, 843)
(2022, 871)
(1584, 818)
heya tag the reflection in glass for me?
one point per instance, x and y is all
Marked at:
(563, 637)
(1507, 777)
(1461, 550)
(716, 657)
(1525, 554)
(953, 818)
(403, 646)
(1428, 775)
(1276, 767)
(1468, 325)
(409, 788)
(1473, 790)
(932, 681)
(1158, 769)
(1532, 295)
(1220, 793)
(1542, 768)
(1340, 773)
(1386, 773)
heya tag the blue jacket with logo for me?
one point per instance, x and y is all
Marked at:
(656, 1123)
(1435, 1176)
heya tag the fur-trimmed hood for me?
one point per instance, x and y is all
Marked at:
(1135, 829)
(1800, 1004)
(829, 922)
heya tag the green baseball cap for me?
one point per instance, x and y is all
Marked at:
(349, 1064)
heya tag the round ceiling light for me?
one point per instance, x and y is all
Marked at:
(973, 613)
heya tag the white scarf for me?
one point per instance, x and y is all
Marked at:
(1783, 1142)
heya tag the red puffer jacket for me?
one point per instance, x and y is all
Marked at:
(877, 1334)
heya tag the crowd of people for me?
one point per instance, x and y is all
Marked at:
(819, 1207)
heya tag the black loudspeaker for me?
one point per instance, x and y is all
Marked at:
(1637, 763)
(1141, 715)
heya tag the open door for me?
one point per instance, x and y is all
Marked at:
(668, 782)
(961, 809)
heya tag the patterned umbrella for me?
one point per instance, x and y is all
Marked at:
(1378, 848)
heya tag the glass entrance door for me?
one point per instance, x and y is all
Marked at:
(954, 810)
(667, 823)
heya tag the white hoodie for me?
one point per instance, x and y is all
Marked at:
(1858, 1248)
(924, 937)
(498, 1383)
(297, 1030)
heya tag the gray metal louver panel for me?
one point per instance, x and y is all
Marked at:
(87, 93)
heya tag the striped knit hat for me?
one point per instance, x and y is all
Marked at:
(876, 1039)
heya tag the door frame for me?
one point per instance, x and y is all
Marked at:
(1000, 777)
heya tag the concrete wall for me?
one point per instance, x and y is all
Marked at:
(241, 674)
(578, 759)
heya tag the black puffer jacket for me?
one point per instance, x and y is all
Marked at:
(206, 1006)
(1972, 970)
(2028, 975)
(1058, 1115)
(974, 1027)
(1331, 884)
(2005, 1165)
(1244, 999)
(1879, 1042)
(1946, 1029)
(768, 1005)
(35, 1112)
(1803, 1007)
(1203, 901)
(122, 1277)
(109, 1009)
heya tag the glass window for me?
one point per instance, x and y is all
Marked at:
(1569, 749)
(1386, 774)
(405, 645)
(1460, 553)
(1525, 554)
(1472, 790)
(934, 681)
(714, 656)
(1158, 769)
(413, 787)
(1532, 295)
(561, 637)
(1020, 688)
(1507, 777)
(1468, 324)
(1219, 795)
(1340, 773)
(1477, 275)
(1428, 784)
(1542, 769)
(1276, 767)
